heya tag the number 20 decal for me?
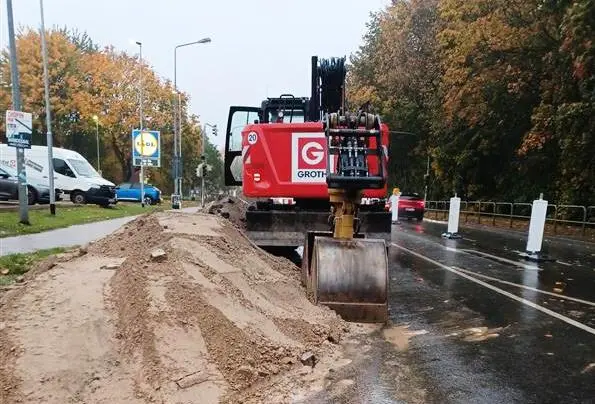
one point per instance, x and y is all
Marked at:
(252, 137)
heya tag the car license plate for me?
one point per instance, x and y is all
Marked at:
(410, 209)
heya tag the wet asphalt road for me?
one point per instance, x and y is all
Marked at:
(540, 348)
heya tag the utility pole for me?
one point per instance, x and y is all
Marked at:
(203, 159)
(96, 119)
(142, 162)
(427, 178)
(16, 104)
(48, 116)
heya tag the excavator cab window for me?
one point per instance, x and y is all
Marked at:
(238, 119)
(285, 109)
(285, 115)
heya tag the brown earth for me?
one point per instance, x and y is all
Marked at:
(230, 208)
(172, 308)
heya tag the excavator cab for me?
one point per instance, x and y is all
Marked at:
(285, 109)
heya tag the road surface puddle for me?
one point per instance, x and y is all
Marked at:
(399, 336)
(477, 334)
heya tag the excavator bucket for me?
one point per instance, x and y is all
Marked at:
(349, 276)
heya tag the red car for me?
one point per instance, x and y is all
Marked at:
(411, 205)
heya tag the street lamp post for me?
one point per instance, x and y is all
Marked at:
(96, 119)
(177, 129)
(140, 90)
(180, 131)
(48, 117)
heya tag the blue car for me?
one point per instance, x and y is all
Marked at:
(130, 191)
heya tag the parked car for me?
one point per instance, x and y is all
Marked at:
(36, 193)
(73, 174)
(411, 206)
(130, 191)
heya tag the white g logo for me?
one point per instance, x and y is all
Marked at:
(317, 154)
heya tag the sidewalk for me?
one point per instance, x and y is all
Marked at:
(67, 237)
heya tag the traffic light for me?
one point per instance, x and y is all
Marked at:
(214, 130)
(203, 169)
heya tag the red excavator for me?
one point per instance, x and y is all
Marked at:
(323, 160)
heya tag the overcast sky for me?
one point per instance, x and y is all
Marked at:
(259, 48)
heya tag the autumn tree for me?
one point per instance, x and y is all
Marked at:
(396, 73)
(563, 128)
(87, 81)
(500, 93)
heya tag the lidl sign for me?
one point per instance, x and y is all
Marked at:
(146, 148)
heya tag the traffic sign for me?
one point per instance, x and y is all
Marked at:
(146, 148)
(18, 129)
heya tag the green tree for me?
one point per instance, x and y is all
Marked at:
(214, 181)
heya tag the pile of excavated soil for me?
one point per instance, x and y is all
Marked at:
(172, 308)
(230, 208)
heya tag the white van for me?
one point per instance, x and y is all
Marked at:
(72, 173)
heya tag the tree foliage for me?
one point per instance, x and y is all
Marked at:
(214, 181)
(86, 80)
(499, 93)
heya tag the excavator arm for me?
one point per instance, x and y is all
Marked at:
(341, 268)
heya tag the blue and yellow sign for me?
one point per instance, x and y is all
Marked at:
(146, 148)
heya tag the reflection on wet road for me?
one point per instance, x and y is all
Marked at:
(495, 328)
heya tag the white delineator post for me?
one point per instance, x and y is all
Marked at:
(453, 218)
(536, 227)
(394, 207)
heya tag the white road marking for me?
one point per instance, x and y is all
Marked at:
(501, 291)
(564, 263)
(525, 287)
(502, 259)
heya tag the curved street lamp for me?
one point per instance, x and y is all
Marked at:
(177, 128)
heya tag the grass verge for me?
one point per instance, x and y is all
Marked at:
(14, 265)
(67, 216)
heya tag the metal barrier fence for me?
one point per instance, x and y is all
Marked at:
(574, 215)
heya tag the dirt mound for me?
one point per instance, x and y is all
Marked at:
(173, 307)
(230, 208)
